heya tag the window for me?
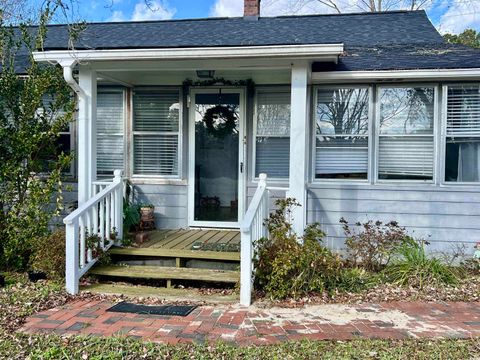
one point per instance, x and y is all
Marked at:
(64, 141)
(462, 156)
(110, 132)
(406, 133)
(342, 117)
(272, 148)
(156, 132)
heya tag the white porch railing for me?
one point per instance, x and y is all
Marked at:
(102, 215)
(252, 228)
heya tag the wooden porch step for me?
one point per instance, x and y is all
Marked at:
(176, 253)
(170, 294)
(167, 273)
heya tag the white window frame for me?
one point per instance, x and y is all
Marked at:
(369, 134)
(70, 173)
(253, 168)
(179, 133)
(443, 136)
(101, 89)
(435, 86)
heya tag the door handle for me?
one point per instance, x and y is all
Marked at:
(241, 167)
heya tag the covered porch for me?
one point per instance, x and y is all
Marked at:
(160, 146)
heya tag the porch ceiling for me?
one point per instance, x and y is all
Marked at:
(159, 77)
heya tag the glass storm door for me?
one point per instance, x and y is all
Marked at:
(216, 163)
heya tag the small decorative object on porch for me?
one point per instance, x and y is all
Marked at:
(208, 202)
(147, 217)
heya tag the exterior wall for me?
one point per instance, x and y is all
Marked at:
(170, 203)
(445, 216)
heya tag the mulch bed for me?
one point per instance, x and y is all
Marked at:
(467, 291)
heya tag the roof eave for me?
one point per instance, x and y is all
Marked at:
(310, 51)
(396, 75)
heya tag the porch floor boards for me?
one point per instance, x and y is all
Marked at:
(184, 239)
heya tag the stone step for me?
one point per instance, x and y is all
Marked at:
(170, 294)
(167, 273)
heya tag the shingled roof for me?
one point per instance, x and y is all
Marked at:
(396, 27)
(396, 40)
(404, 57)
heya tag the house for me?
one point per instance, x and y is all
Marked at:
(362, 116)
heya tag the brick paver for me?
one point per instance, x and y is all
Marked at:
(397, 320)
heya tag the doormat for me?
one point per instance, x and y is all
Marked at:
(172, 310)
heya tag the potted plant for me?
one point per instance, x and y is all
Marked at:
(147, 212)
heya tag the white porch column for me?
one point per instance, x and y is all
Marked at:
(87, 139)
(299, 130)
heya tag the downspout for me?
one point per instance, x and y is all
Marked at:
(83, 192)
(68, 76)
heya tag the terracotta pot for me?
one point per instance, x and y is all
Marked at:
(147, 213)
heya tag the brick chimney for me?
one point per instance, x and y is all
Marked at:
(251, 9)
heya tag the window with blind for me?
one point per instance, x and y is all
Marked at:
(462, 157)
(272, 148)
(406, 133)
(342, 126)
(156, 132)
(110, 132)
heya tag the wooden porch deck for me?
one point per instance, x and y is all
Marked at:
(200, 240)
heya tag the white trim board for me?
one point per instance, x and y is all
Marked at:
(396, 75)
(233, 52)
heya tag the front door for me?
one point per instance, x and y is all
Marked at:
(216, 157)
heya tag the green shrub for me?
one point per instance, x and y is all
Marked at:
(414, 268)
(373, 246)
(49, 255)
(287, 266)
(354, 280)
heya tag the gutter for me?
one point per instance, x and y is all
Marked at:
(396, 75)
(309, 51)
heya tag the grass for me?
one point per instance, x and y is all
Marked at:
(55, 347)
(21, 299)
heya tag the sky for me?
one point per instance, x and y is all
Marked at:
(447, 15)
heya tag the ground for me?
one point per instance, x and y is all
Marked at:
(253, 326)
(58, 325)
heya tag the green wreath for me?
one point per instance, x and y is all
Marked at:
(220, 129)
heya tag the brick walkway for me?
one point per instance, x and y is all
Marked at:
(266, 326)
